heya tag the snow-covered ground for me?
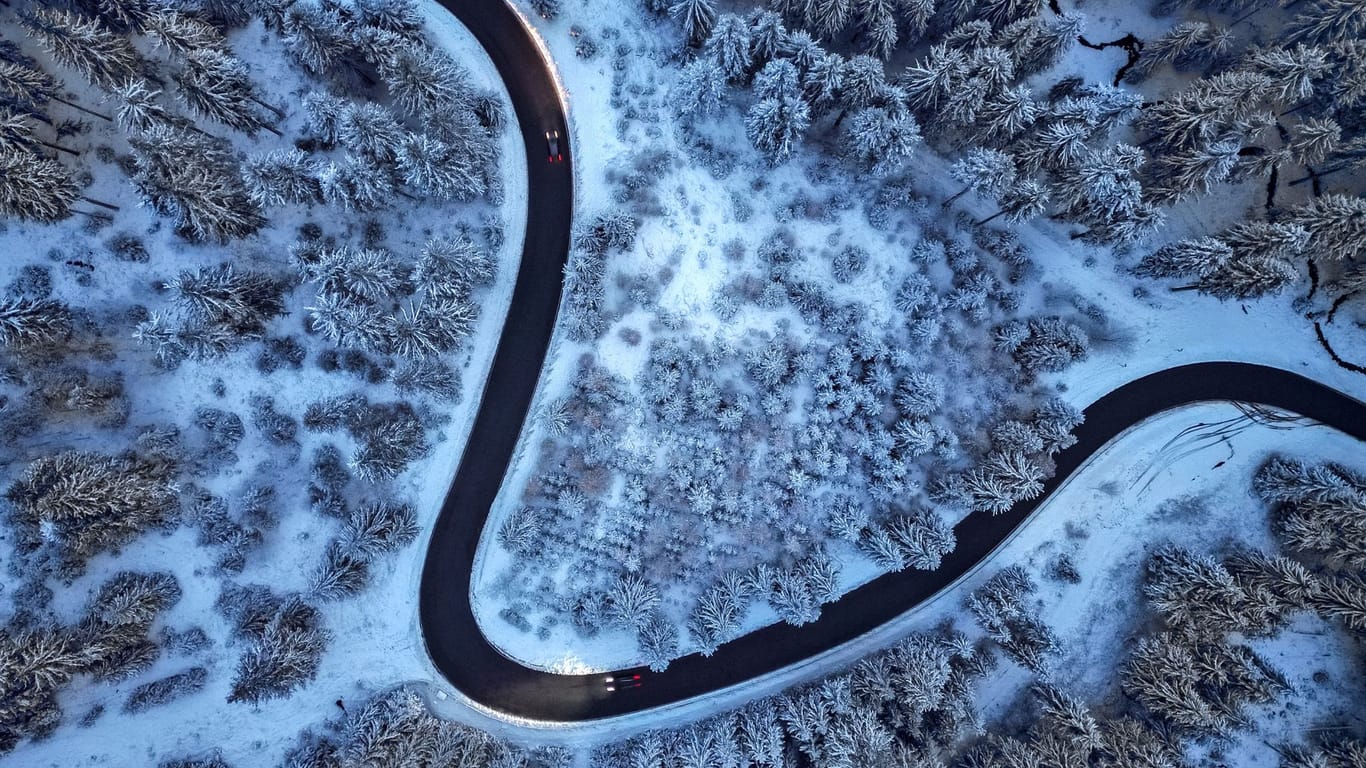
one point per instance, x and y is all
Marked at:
(376, 641)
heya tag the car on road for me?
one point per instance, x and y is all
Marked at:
(621, 682)
(552, 146)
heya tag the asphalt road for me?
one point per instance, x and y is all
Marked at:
(482, 673)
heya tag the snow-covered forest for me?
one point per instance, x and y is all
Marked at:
(843, 274)
(248, 251)
(814, 333)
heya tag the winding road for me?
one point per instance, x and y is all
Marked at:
(454, 640)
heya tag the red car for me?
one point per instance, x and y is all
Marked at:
(552, 145)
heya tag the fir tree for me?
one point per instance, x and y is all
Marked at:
(700, 88)
(370, 131)
(423, 81)
(196, 179)
(775, 126)
(988, 171)
(696, 16)
(282, 177)
(883, 142)
(436, 169)
(105, 58)
(35, 188)
(184, 35)
(356, 185)
(1336, 225)
(139, 109)
(216, 86)
(315, 36)
(26, 322)
(729, 47)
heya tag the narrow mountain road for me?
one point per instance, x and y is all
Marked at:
(453, 638)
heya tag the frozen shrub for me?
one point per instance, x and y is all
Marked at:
(280, 351)
(849, 263)
(328, 470)
(223, 431)
(1064, 569)
(127, 247)
(337, 412)
(276, 427)
(187, 643)
(34, 281)
(166, 690)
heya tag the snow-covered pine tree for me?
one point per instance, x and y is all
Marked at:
(16, 135)
(766, 35)
(1055, 36)
(26, 322)
(1313, 140)
(282, 177)
(423, 81)
(196, 179)
(83, 503)
(775, 126)
(35, 188)
(371, 131)
(729, 47)
(240, 300)
(1249, 278)
(828, 18)
(288, 646)
(988, 171)
(1007, 114)
(1186, 258)
(700, 88)
(217, 86)
(878, 21)
(1179, 174)
(434, 168)
(1293, 72)
(822, 83)
(324, 113)
(315, 36)
(863, 82)
(1185, 44)
(104, 57)
(696, 17)
(801, 49)
(183, 34)
(1336, 224)
(657, 639)
(631, 601)
(881, 140)
(357, 185)
(139, 109)
(1022, 201)
(931, 80)
(341, 573)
